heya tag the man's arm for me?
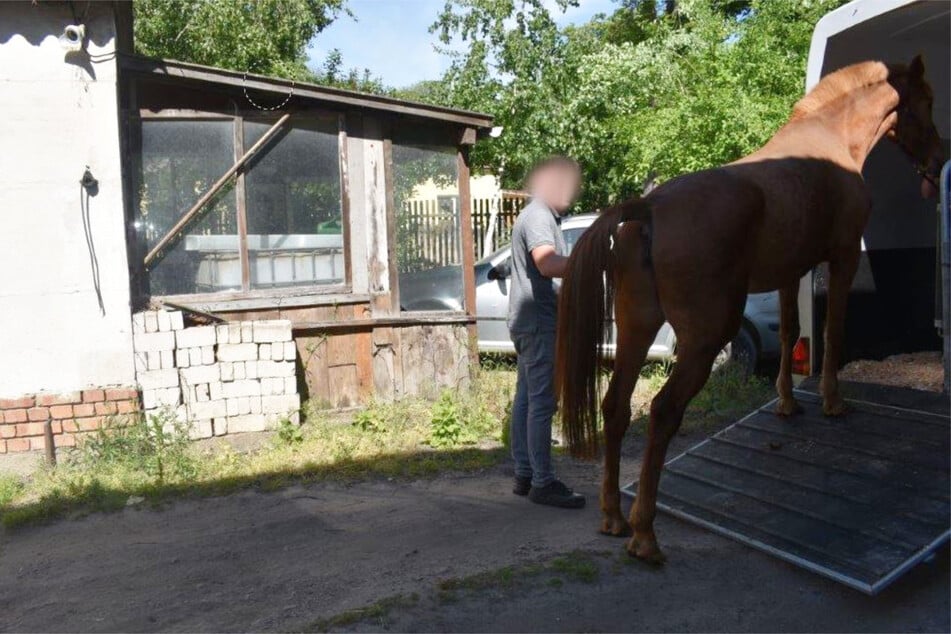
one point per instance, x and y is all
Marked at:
(549, 263)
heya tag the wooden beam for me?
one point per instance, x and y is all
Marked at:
(385, 322)
(391, 212)
(468, 247)
(213, 191)
(242, 208)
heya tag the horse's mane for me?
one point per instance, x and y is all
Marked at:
(838, 84)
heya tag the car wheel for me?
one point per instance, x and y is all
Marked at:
(743, 351)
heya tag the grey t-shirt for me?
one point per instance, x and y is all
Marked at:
(533, 299)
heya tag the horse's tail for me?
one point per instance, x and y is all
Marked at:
(585, 301)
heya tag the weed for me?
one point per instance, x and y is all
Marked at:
(447, 427)
(10, 487)
(370, 420)
(288, 432)
(376, 612)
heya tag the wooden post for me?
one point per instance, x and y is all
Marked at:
(242, 207)
(468, 253)
(213, 190)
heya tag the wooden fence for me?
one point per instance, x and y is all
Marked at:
(428, 231)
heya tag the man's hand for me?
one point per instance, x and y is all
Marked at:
(549, 263)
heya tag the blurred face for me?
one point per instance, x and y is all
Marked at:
(557, 186)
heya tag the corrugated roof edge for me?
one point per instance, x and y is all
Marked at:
(140, 65)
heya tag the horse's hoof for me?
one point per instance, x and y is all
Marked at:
(836, 407)
(787, 407)
(615, 527)
(647, 550)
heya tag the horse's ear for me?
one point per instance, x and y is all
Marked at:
(917, 67)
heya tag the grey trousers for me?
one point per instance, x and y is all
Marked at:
(534, 406)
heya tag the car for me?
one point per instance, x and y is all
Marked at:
(757, 339)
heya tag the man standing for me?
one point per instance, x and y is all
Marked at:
(539, 256)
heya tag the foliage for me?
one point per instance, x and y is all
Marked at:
(10, 487)
(289, 433)
(652, 91)
(370, 420)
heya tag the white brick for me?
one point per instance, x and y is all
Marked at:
(215, 391)
(255, 404)
(200, 429)
(231, 406)
(290, 351)
(181, 358)
(153, 360)
(234, 333)
(167, 359)
(238, 371)
(138, 323)
(221, 333)
(275, 368)
(264, 351)
(195, 337)
(153, 341)
(272, 386)
(201, 393)
(207, 354)
(237, 352)
(151, 321)
(164, 322)
(141, 360)
(277, 351)
(175, 317)
(251, 369)
(244, 387)
(272, 330)
(221, 426)
(208, 409)
(290, 385)
(247, 332)
(280, 404)
(154, 379)
(161, 397)
(227, 371)
(201, 374)
(246, 423)
(194, 356)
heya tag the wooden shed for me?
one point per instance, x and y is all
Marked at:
(305, 220)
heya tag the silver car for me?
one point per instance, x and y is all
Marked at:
(758, 337)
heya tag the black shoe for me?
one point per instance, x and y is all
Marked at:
(522, 485)
(556, 494)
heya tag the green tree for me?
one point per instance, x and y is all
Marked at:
(269, 37)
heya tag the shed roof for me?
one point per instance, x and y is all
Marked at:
(166, 68)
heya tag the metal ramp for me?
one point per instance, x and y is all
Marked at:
(860, 499)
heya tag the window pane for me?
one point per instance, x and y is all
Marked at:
(429, 240)
(295, 219)
(180, 160)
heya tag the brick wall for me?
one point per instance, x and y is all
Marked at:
(222, 379)
(22, 419)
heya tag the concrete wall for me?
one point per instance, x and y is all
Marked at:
(58, 114)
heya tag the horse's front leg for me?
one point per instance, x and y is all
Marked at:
(788, 333)
(842, 267)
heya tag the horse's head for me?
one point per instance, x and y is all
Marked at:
(915, 131)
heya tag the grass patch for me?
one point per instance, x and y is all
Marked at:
(151, 457)
(376, 612)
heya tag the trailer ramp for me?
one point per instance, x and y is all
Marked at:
(860, 499)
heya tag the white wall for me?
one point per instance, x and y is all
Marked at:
(57, 117)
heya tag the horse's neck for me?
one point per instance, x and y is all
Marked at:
(857, 120)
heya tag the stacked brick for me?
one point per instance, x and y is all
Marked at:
(221, 379)
(22, 419)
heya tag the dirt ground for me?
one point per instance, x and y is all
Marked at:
(285, 560)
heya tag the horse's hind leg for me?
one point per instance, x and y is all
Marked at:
(638, 318)
(842, 269)
(691, 371)
(788, 333)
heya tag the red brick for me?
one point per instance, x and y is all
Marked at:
(89, 424)
(57, 427)
(64, 398)
(14, 403)
(106, 409)
(38, 413)
(14, 416)
(84, 409)
(61, 411)
(18, 444)
(3, 446)
(121, 393)
(70, 426)
(127, 407)
(64, 440)
(30, 429)
(8, 431)
(37, 442)
(93, 396)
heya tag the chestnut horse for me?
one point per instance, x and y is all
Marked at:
(691, 250)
